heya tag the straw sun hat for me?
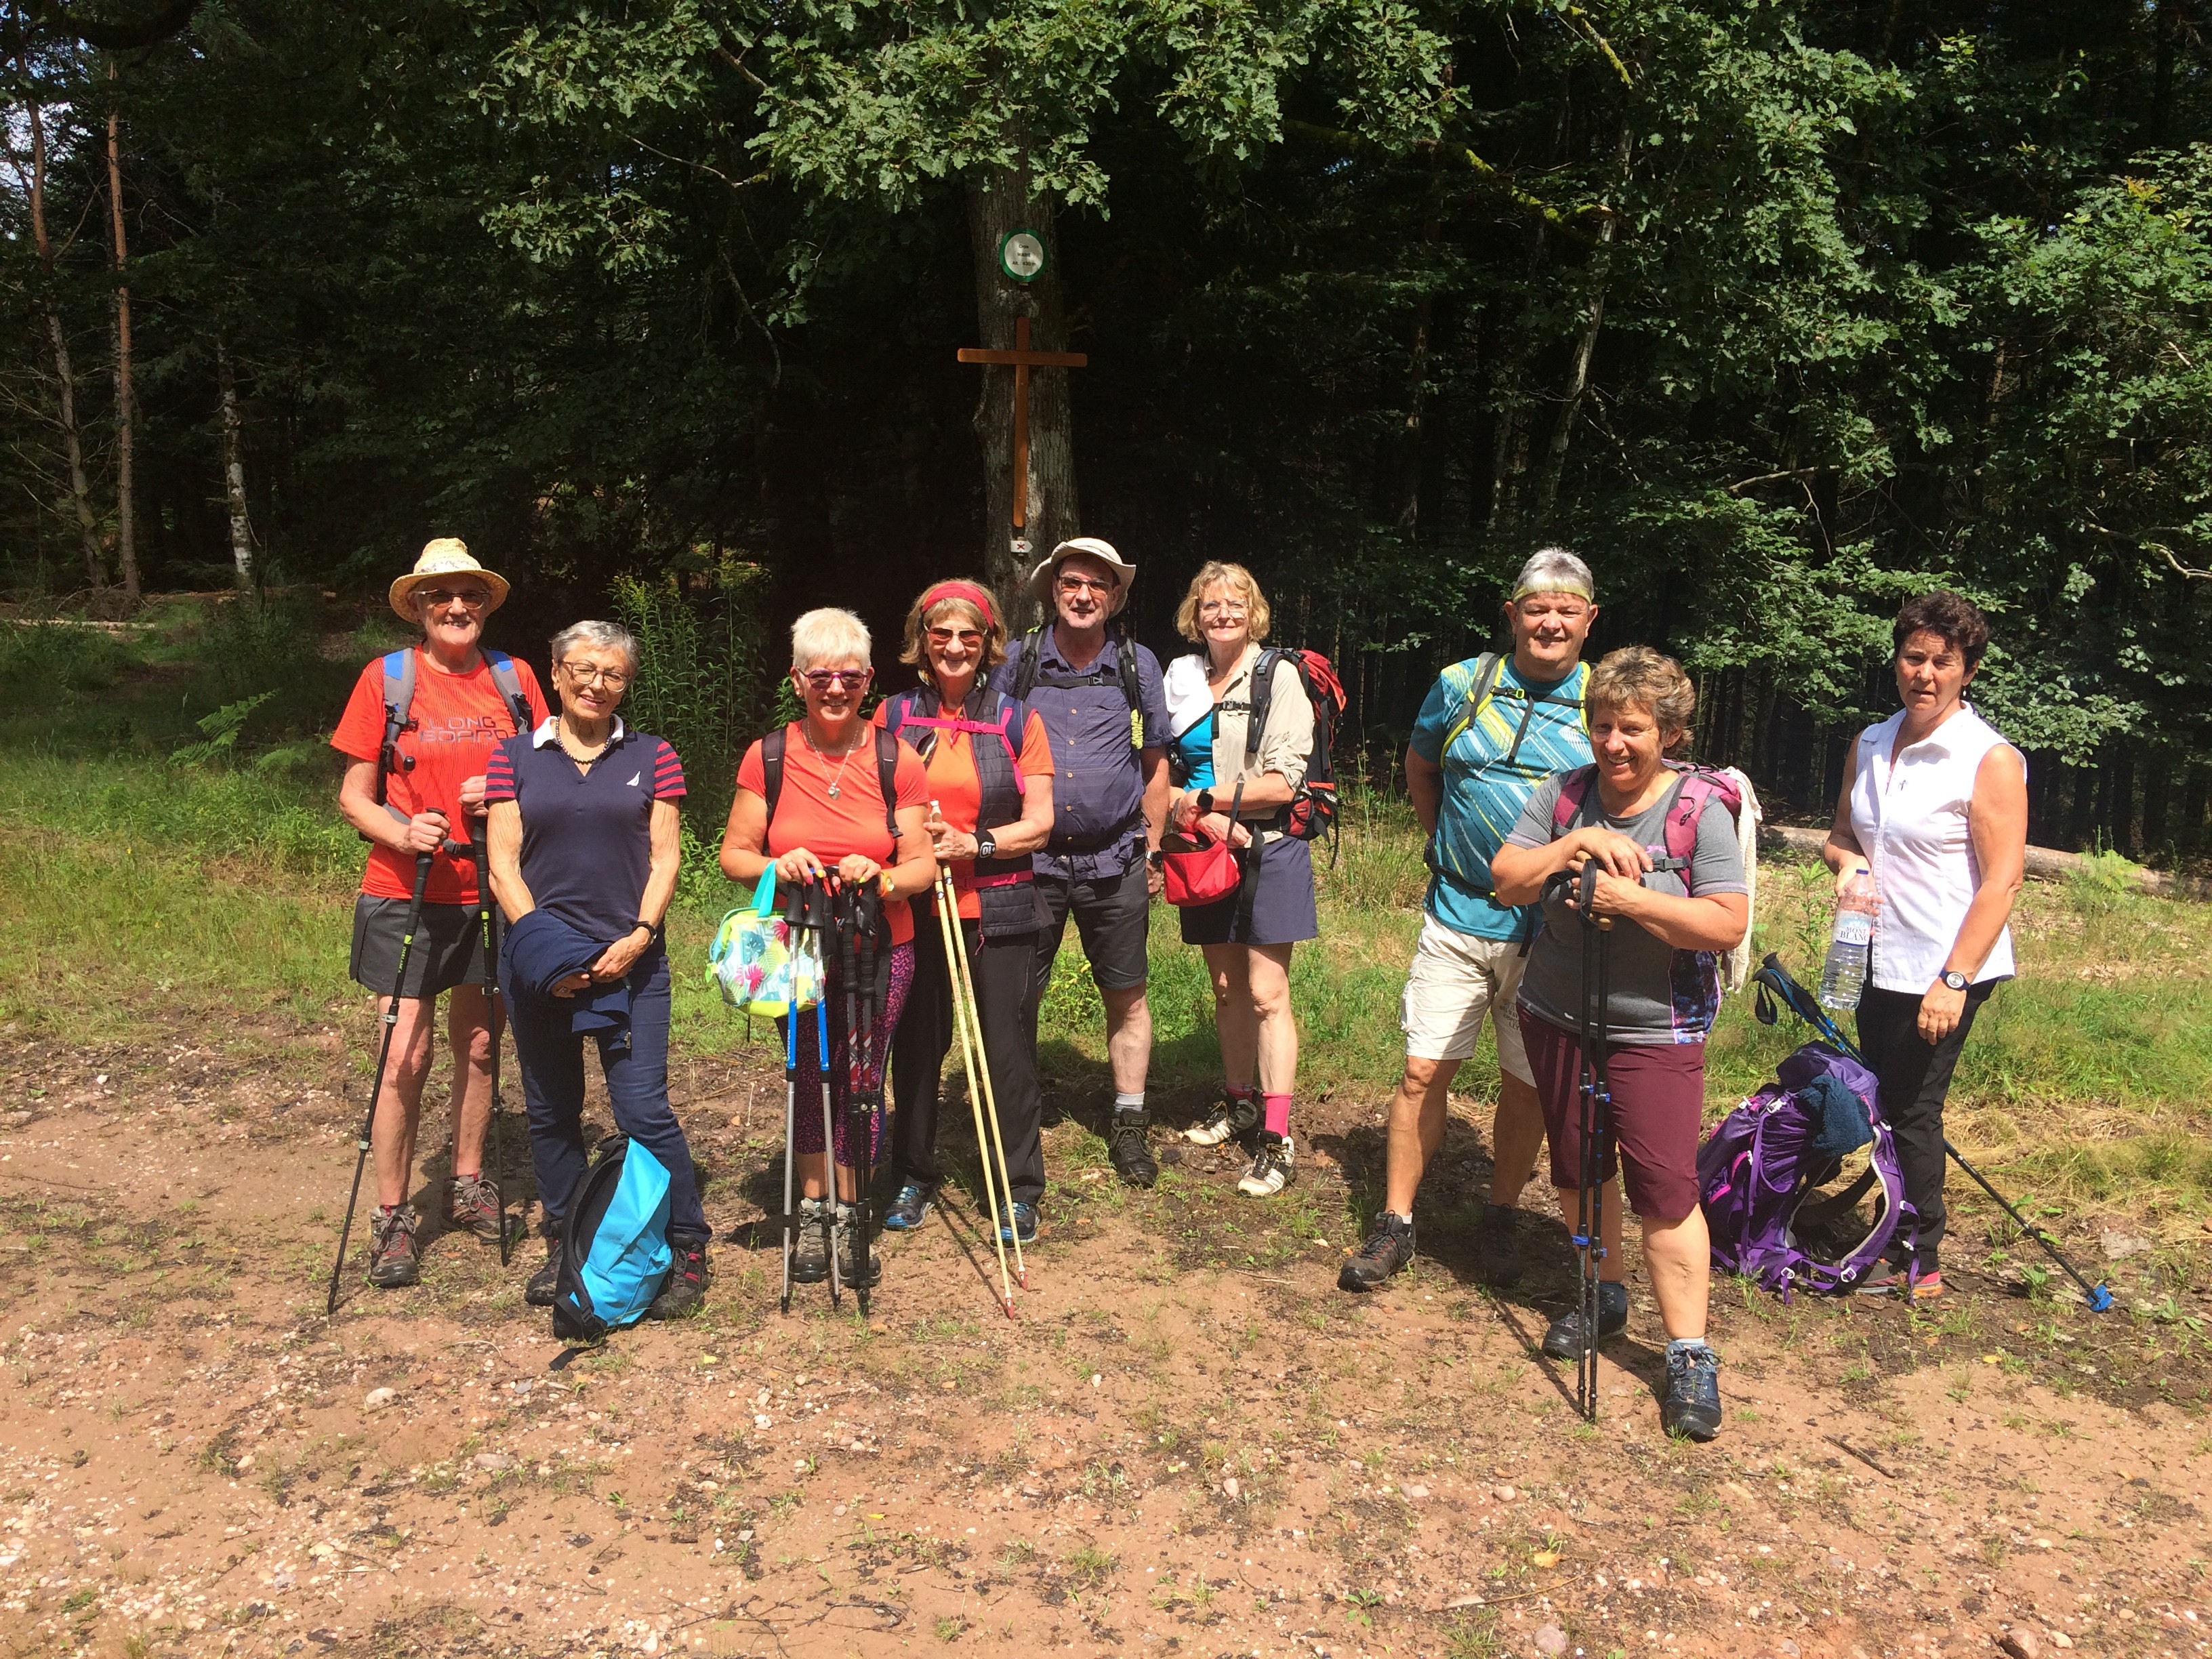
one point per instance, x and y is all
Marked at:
(448, 556)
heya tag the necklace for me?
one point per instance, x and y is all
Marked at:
(838, 779)
(560, 733)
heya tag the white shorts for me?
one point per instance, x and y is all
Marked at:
(1454, 981)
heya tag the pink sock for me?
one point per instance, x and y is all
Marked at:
(1275, 1110)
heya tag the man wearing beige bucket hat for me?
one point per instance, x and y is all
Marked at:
(417, 735)
(1107, 720)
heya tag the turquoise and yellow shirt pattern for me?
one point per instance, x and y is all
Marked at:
(1493, 753)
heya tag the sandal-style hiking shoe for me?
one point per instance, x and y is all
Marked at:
(911, 1207)
(539, 1292)
(1127, 1144)
(472, 1206)
(1693, 1409)
(1926, 1288)
(392, 1260)
(1235, 1118)
(1388, 1251)
(1564, 1341)
(685, 1292)
(1271, 1169)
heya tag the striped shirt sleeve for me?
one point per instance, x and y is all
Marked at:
(499, 775)
(667, 774)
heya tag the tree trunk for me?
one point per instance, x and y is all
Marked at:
(1555, 457)
(126, 546)
(87, 521)
(233, 468)
(997, 204)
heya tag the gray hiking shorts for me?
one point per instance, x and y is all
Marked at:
(448, 947)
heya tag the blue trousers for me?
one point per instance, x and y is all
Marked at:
(637, 1087)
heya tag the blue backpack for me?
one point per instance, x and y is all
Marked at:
(615, 1251)
(1766, 1158)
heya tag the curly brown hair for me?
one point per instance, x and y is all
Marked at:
(1638, 676)
(932, 608)
(1953, 617)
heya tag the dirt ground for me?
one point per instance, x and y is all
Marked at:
(1188, 1442)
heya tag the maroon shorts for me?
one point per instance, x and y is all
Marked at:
(1658, 1112)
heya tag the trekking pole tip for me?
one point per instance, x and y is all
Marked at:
(2101, 1299)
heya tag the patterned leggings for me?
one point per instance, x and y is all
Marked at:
(807, 1136)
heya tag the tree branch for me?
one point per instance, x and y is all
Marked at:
(760, 177)
(57, 17)
(1454, 155)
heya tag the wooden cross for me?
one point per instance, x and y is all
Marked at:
(1023, 359)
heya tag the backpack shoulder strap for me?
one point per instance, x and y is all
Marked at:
(772, 774)
(1026, 669)
(1574, 790)
(1479, 685)
(1699, 788)
(887, 748)
(1125, 660)
(510, 687)
(1261, 696)
(399, 670)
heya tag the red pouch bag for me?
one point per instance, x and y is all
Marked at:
(1205, 870)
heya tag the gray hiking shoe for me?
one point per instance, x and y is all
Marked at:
(1388, 1249)
(848, 1224)
(810, 1255)
(472, 1205)
(1693, 1409)
(1496, 1252)
(392, 1259)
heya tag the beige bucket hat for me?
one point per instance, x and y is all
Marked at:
(448, 555)
(1041, 579)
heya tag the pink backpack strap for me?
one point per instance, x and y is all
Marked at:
(1574, 789)
(1700, 788)
(1007, 710)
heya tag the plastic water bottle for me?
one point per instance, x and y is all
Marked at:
(1843, 975)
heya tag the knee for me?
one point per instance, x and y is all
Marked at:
(1271, 1001)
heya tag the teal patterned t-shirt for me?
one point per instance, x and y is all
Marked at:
(1493, 757)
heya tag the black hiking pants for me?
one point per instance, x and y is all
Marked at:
(1916, 1077)
(1005, 997)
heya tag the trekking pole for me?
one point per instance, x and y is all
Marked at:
(789, 1027)
(861, 1100)
(383, 1055)
(847, 914)
(1774, 976)
(948, 924)
(990, 1096)
(1596, 1132)
(489, 909)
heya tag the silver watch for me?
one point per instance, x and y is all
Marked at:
(1954, 979)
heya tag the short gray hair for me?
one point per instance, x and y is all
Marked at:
(829, 635)
(599, 637)
(1555, 570)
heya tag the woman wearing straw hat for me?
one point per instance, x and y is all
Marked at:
(417, 735)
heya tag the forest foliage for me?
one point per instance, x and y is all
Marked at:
(1776, 309)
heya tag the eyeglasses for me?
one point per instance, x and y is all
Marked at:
(1072, 584)
(586, 674)
(942, 637)
(1221, 607)
(476, 598)
(822, 679)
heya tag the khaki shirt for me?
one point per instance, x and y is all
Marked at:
(1286, 742)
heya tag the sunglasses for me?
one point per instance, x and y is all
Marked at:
(476, 598)
(1085, 584)
(822, 679)
(942, 637)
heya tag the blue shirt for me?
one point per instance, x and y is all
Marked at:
(1493, 757)
(587, 834)
(1097, 784)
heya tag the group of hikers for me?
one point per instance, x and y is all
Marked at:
(1051, 774)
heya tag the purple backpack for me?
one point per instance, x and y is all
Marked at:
(1765, 1158)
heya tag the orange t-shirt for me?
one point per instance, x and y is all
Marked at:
(806, 817)
(459, 719)
(959, 791)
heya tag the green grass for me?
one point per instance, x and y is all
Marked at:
(133, 888)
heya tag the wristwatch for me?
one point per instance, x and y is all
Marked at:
(1954, 979)
(987, 845)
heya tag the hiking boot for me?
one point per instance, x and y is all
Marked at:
(1693, 1409)
(1237, 1117)
(685, 1292)
(1270, 1170)
(1497, 1251)
(392, 1260)
(910, 1208)
(848, 1224)
(1126, 1144)
(472, 1205)
(1926, 1287)
(539, 1292)
(1564, 1341)
(810, 1253)
(1023, 1227)
(1388, 1251)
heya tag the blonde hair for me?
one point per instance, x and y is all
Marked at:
(1636, 676)
(1214, 573)
(829, 635)
(950, 605)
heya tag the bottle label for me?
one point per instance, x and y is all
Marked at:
(1853, 927)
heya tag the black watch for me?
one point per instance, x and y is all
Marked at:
(1954, 979)
(987, 845)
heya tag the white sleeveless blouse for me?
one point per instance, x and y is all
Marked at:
(1909, 812)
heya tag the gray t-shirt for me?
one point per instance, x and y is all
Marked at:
(1656, 993)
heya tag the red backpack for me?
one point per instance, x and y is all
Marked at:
(1311, 815)
(1700, 785)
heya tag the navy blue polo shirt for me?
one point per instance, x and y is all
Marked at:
(587, 833)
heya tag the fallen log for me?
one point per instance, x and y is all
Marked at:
(2044, 863)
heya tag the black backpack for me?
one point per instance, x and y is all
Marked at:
(887, 744)
(1125, 670)
(1312, 813)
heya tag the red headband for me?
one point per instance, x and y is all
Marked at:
(975, 596)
